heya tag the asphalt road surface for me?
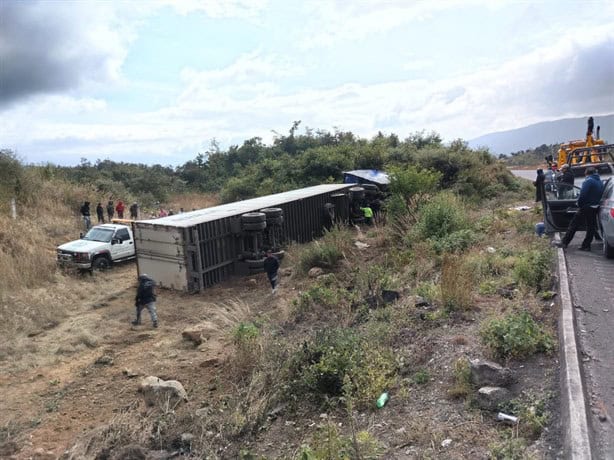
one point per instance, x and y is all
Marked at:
(591, 278)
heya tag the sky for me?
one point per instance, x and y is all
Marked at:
(156, 81)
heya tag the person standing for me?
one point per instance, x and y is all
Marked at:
(85, 213)
(145, 298)
(588, 203)
(539, 180)
(565, 182)
(100, 213)
(368, 213)
(134, 211)
(120, 209)
(271, 266)
(110, 210)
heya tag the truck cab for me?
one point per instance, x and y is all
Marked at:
(99, 248)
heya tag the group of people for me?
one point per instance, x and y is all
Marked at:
(111, 209)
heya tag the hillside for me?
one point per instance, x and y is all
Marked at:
(293, 375)
(548, 132)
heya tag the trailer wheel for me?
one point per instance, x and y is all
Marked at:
(101, 263)
(253, 226)
(275, 221)
(357, 193)
(255, 264)
(272, 212)
(252, 217)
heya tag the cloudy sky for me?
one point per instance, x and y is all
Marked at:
(155, 81)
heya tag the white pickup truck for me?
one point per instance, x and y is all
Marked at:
(99, 248)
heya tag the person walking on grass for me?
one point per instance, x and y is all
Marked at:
(100, 213)
(85, 213)
(145, 298)
(588, 203)
(271, 266)
(134, 211)
(110, 210)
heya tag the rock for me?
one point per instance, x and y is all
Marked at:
(446, 443)
(129, 373)
(361, 245)
(390, 296)
(314, 272)
(490, 398)
(490, 250)
(251, 283)
(42, 454)
(200, 332)
(507, 293)
(104, 360)
(158, 391)
(285, 271)
(487, 373)
(187, 439)
(421, 302)
(211, 362)
(130, 452)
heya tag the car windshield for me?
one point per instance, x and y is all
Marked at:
(99, 234)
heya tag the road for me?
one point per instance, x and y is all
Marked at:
(591, 279)
(592, 290)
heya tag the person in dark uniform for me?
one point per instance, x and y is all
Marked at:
(145, 298)
(110, 210)
(85, 213)
(271, 266)
(100, 213)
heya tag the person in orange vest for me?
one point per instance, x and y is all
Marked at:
(120, 209)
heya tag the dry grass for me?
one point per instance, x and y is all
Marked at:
(456, 283)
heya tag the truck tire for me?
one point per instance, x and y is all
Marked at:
(357, 193)
(275, 221)
(253, 226)
(255, 264)
(272, 212)
(253, 217)
(101, 263)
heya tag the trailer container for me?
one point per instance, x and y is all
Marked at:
(193, 250)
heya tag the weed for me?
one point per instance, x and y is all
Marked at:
(516, 335)
(462, 379)
(456, 283)
(532, 413)
(428, 291)
(246, 338)
(422, 376)
(511, 448)
(325, 252)
(329, 444)
(533, 268)
(442, 216)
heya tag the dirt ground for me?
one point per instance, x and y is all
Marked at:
(57, 386)
(64, 380)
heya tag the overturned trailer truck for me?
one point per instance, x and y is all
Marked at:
(194, 250)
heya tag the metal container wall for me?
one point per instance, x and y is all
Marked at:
(181, 253)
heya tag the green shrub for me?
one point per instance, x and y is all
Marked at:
(317, 295)
(511, 448)
(456, 241)
(338, 362)
(516, 335)
(325, 252)
(444, 214)
(422, 376)
(533, 268)
(329, 444)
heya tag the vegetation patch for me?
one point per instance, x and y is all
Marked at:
(516, 335)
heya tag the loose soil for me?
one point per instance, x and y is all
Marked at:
(56, 388)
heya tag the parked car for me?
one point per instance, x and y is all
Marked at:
(99, 248)
(606, 219)
(559, 206)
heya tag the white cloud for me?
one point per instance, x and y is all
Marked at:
(218, 8)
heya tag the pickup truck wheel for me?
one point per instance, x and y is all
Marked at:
(101, 263)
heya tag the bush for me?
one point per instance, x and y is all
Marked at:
(329, 444)
(326, 252)
(462, 379)
(443, 215)
(246, 338)
(516, 335)
(533, 268)
(456, 241)
(337, 362)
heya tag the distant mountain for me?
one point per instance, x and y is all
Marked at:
(548, 132)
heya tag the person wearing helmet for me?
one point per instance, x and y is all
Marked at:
(145, 298)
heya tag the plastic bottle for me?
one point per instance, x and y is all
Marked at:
(382, 400)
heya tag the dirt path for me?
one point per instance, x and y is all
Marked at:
(87, 369)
